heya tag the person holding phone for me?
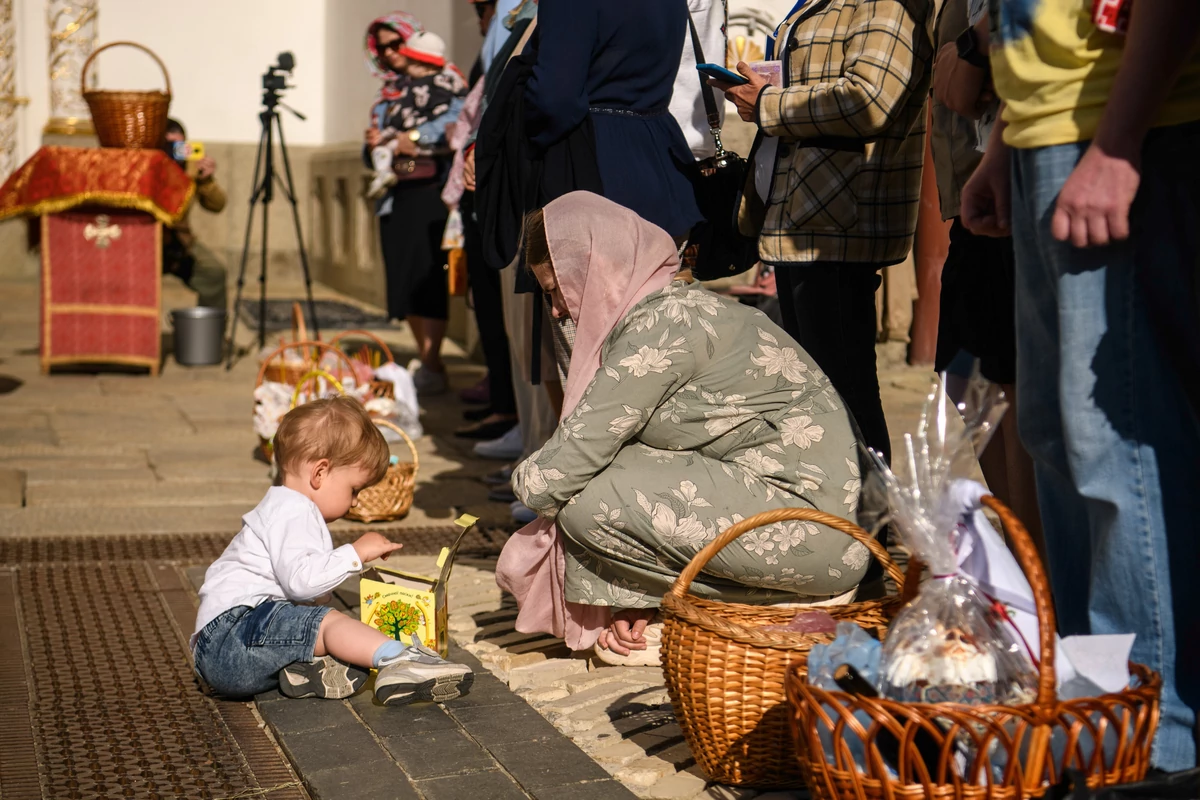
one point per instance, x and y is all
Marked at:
(837, 174)
(184, 256)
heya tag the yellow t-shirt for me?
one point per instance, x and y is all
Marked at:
(1054, 70)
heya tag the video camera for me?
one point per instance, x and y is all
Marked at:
(274, 80)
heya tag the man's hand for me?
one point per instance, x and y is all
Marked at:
(205, 168)
(1093, 206)
(986, 202)
(958, 85)
(469, 170)
(745, 97)
(371, 546)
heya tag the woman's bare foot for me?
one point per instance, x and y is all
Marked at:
(625, 632)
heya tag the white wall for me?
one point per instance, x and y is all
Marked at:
(216, 52)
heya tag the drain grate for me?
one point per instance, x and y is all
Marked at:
(480, 542)
(113, 708)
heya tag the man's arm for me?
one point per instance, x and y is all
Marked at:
(1093, 206)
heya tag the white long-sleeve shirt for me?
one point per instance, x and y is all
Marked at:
(283, 552)
(687, 105)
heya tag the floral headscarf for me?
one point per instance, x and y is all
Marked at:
(402, 23)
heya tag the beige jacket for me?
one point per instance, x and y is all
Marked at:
(851, 126)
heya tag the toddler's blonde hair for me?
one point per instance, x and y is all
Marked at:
(336, 428)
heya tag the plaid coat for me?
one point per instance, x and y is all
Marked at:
(851, 126)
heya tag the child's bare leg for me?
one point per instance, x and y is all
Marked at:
(348, 640)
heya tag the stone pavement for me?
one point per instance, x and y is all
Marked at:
(117, 455)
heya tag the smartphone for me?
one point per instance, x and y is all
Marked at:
(719, 73)
(189, 151)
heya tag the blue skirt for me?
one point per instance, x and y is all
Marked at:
(646, 166)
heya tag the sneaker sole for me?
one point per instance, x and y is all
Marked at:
(335, 682)
(434, 690)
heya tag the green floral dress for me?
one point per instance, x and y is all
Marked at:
(703, 413)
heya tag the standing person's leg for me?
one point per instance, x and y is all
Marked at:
(489, 316)
(1113, 440)
(830, 310)
(533, 405)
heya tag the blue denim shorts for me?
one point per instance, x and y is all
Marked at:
(240, 652)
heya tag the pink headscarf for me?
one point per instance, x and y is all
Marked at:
(606, 260)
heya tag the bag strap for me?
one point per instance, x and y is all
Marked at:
(706, 91)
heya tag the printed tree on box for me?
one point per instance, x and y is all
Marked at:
(397, 619)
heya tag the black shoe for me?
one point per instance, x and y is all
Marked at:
(501, 477)
(502, 494)
(477, 414)
(486, 431)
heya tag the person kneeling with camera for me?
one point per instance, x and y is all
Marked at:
(183, 256)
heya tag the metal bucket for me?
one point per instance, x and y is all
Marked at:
(199, 335)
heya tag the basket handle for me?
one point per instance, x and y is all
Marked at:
(83, 87)
(387, 351)
(412, 448)
(316, 373)
(324, 347)
(299, 326)
(1026, 552)
(684, 582)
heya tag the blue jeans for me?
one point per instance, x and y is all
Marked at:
(1103, 413)
(240, 653)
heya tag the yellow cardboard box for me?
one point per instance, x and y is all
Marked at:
(400, 603)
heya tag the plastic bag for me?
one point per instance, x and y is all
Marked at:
(806, 621)
(949, 644)
(407, 414)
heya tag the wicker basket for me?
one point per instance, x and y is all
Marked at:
(378, 388)
(1025, 733)
(725, 675)
(130, 119)
(392, 497)
(293, 374)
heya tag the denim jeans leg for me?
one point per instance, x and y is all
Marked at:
(1113, 442)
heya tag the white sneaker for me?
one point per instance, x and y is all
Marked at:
(419, 674)
(521, 513)
(380, 185)
(650, 657)
(508, 447)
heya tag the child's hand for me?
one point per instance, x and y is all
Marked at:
(372, 137)
(371, 546)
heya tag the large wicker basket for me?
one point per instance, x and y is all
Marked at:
(1038, 742)
(293, 373)
(130, 119)
(725, 675)
(392, 497)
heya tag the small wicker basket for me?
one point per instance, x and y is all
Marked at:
(378, 388)
(392, 497)
(130, 119)
(1034, 758)
(725, 675)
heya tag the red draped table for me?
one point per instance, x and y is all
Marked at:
(102, 212)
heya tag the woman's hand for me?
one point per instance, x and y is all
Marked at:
(745, 97)
(625, 631)
(469, 170)
(371, 137)
(406, 146)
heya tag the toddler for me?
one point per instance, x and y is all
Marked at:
(256, 630)
(430, 89)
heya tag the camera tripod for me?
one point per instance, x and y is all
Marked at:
(265, 180)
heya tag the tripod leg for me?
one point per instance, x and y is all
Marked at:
(290, 190)
(241, 280)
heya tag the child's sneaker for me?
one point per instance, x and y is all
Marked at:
(420, 674)
(325, 677)
(380, 185)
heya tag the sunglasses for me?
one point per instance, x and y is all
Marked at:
(394, 44)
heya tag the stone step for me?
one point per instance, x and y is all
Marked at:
(118, 494)
(75, 521)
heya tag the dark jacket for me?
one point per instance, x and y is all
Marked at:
(614, 62)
